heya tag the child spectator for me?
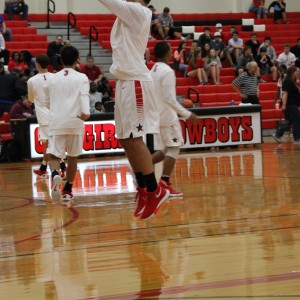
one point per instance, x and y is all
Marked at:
(236, 46)
(221, 48)
(12, 7)
(265, 64)
(95, 97)
(270, 49)
(244, 59)
(205, 37)
(254, 44)
(196, 67)
(213, 66)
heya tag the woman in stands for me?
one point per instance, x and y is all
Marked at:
(196, 67)
(17, 63)
(181, 59)
(213, 66)
(206, 50)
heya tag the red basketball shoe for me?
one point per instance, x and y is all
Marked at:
(168, 186)
(140, 198)
(154, 201)
(40, 173)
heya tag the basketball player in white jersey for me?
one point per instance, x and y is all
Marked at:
(67, 96)
(36, 95)
(170, 138)
(135, 114)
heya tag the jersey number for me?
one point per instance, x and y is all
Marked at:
(66, 73)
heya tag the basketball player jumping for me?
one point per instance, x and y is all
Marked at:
(135, 114)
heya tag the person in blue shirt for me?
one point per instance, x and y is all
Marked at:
(4, 30)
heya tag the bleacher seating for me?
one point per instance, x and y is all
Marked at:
(26, 38)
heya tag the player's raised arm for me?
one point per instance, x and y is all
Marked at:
(128, 12)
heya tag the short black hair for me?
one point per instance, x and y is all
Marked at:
(42, 60)
(69, 55)
(161, 49)
(147, 1)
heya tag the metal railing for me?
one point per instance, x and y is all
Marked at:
(49, 10)
(71, 22)
(92, 38)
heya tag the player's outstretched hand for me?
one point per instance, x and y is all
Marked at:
(193, 118)
(83, 117)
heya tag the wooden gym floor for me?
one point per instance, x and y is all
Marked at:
(234, 235)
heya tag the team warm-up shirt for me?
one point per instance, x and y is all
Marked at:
(67, 96)
(36, 95)
(129, 38)
(164, 80)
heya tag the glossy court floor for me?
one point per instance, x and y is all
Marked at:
(234, 235)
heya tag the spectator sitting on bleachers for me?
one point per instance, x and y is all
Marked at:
(16, 62)
(244, 59)
(205, 37)
(253, 43)
(286, 57)
(258, 7)
(16, 7)
(4, 30)
(219, 28)
(156, 27)
(105, 89)
(270, 49)
(53, 52)
(167, 22)
(94, 96)
(213, 66)
(236, 46)
(196, 67)
(4, 53)
(279, 11)
(265, 64)
(22, 109)
(206, 50)
(296, 51)
(181, 59)
(10, 90)
(221, 48)
(28, 58)
(92, 71)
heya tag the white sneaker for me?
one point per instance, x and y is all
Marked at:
(55, 190)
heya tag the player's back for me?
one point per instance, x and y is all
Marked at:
(36, 95)
(67, 91)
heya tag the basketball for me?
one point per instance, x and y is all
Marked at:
(187, 103)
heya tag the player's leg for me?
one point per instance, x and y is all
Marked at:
(56, 149)
(136, 115)
(43, 137)
(74, 149)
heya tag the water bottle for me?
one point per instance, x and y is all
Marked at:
(232, 102)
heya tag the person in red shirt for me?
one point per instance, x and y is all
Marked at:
(91, 70)
(258, 7)
(196, 67)
(16, 63)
